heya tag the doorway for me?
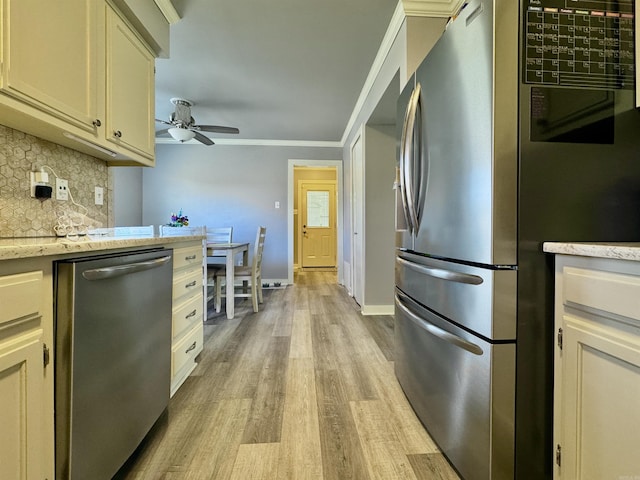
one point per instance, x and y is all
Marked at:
(316, 174)
(317, 237)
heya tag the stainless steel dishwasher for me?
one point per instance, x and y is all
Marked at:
(112, 358)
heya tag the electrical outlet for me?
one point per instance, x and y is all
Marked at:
(99, 194)
(62, 189)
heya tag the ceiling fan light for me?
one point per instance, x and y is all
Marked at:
(181, 134)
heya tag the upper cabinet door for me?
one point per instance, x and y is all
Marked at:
(130, 88)
(48, 57)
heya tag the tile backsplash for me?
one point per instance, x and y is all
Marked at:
(24, 216)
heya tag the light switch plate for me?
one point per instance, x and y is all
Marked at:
(99, 196)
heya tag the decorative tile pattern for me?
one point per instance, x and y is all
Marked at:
(23, 216)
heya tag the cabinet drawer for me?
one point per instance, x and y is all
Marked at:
(185, 350)
(186, 314)
(186, 256)
(188, 283)
(612, 292)
(20, 295)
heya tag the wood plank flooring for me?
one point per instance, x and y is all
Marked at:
(304, 389)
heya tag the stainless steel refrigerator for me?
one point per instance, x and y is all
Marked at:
(519, 127)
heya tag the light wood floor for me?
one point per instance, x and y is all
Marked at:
(304, 389)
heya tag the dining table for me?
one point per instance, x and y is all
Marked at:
(229, 252)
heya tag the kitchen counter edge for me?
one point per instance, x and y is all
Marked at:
(28, 247)
(619, 250)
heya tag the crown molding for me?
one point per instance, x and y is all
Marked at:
(431, 8)
(168, 10)
(255, 142)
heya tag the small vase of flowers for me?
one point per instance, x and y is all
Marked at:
(179, 220)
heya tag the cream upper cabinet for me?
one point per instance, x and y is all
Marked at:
(22, 378)
(49, 57)
(76, 73)
(597, 369)
(130, 88)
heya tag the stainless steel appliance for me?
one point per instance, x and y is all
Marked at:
(519, 127)
(112, 360)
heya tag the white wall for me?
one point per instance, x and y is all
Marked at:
(226, 185)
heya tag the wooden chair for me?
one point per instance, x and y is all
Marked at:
(215, 264)
(167, 231)
(246, 273)
(219, 235)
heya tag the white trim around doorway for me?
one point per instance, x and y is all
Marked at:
(339, 188)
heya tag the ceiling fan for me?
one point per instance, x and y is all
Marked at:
(183, 127)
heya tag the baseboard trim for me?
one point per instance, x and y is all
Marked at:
(377, 310)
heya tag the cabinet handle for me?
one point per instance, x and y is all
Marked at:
(117, 133)
(191, 347)
(190, 257)
(97, 123)
(192, 314)
(190, 284)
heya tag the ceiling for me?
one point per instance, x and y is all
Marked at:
(282, 70)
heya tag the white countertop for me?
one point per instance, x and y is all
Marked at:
(617, 250)
(15, 248)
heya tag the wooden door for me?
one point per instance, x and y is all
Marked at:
(130, 89)
(600, 391)
(21, 399)
(318, 205)
(49, 57)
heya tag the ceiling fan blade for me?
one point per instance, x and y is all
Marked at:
(163, 121)
(215, 129)
(162, 132)
(202, 139)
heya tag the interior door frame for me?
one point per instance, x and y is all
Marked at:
(357, 271)
(339, 216)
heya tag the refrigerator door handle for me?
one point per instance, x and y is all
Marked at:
(441, 273)
(408, 160)
(403, 160)
(437, 331)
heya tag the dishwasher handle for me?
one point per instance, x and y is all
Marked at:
(437, 331)
(120, 270)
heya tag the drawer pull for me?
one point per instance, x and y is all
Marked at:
(191, 284)
(190, 257)
(191, 347)
(192, 314)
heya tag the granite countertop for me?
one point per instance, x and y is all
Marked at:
(16, 248)
(617, 250)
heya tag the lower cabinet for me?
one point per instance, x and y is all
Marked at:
(22, 378)
(188, 310)
(597, 369)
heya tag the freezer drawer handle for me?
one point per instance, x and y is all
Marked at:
(441, 273)
(437, 331)
(120, 270)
